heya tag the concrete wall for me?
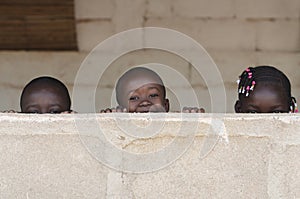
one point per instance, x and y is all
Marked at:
(236, 34)
(63, 156)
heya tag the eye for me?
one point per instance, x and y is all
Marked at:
(55, 111)
(153, 95)
(32, 111)
(278, 111)
(133, 98)
(252, 111)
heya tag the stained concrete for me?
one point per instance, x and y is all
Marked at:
(170, 155)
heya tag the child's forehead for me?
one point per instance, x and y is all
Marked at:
(140, 73)
(43, 93)
(268, 89)
(143, 78)
(44, 88)
(136, 82)
(271, 85)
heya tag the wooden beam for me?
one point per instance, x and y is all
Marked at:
(37, 25)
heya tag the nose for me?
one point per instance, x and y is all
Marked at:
(44, 110)
(145, 102)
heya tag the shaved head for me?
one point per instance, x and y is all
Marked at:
(142, 90)
(45, 95)
(141, 77)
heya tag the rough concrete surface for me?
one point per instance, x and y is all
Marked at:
(170, 155)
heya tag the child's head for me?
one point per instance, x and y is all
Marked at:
(45, 95)
(264, 89)
(142, 90)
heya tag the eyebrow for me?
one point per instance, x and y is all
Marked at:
(277, 106)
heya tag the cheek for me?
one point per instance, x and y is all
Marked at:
(157, 101)
(243, 106)
(131, 106)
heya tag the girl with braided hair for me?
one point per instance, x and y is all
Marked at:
(264, 89)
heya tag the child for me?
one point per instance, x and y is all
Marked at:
(264, 89)
(142, 90)
(45, 95)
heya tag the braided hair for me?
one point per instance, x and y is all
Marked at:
(265, 74)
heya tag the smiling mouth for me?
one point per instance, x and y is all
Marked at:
(152, 109)
(143, 110)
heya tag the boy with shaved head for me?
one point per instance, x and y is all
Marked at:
(140, 90)
(45, 95)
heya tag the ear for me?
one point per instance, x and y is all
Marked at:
(238, 106)
(167, 105)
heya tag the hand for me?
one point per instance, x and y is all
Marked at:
(118, 109)
(9, 111)
(193, 110)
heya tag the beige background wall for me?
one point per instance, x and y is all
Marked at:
(236, 33)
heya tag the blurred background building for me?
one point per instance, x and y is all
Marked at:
(53, 37)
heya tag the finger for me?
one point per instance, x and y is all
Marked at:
(201, 110)
(194, 110)
(185, 110)
(119, 109)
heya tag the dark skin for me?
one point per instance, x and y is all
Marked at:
(193, 110)
(264, 99)
(143, 92)
(147, 98)
(140, 94)
(45, 99)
